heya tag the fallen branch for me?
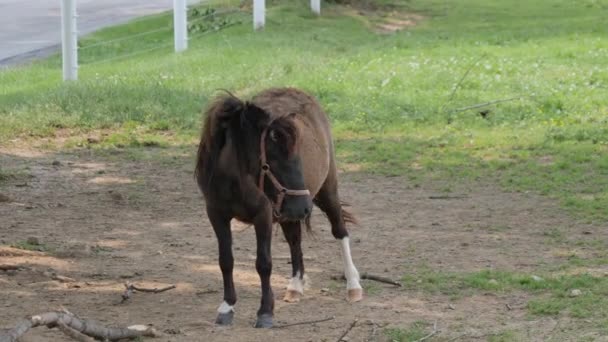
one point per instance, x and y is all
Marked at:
(479, 105)
(58, 277)
(75, 327)
(448, 197)
(372, 277)
(466, 73)
(305, 322)
(372, 333)
(130, 288)
(433, 333)
(352, 325)
(74, 334)
(11, 267)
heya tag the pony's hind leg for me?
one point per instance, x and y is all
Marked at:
(293, 235)
(221, 226)
(329, 202)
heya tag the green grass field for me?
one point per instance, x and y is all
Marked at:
(395, 100)
(400, 104)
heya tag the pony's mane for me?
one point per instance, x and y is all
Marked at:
(228, 115)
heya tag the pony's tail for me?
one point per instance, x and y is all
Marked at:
(347, 216)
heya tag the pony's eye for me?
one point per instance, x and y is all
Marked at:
(274, 135)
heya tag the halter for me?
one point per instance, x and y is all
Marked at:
(265, 172)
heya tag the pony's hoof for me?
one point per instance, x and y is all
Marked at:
(264, 321)
(292, 296)
(224, 318)
(355, 295)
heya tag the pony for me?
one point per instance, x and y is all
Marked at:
(266, 161)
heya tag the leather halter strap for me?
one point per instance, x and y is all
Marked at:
(265, 172)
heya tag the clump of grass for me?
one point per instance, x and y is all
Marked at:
(414, 332)
(29, 245)
(552, 293)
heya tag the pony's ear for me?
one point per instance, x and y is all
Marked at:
(230, 107)
(255, 116)
(224, 109)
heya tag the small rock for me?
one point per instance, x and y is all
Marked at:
(358, 240)
(451, 307)
(115, 196)
(324, 290)
(493, 281)
(4, 198)
(575, 293)
(537, 278)
(56, 163)
(32, 240)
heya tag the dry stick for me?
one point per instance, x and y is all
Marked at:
(154, 290)
(479, 105)
(130, 288)
(352, 325)
(448, 197)
(433, 333)
(11, 267)
(466, 73)
(74, 334)
(82, 326)
(372, 334)
(305, 322)
(373, 277)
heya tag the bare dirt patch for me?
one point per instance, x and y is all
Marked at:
(384, 21)
(105, 218)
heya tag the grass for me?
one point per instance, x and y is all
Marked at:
(415, 332)
(31, 246)
(391, 98)
(552, 293)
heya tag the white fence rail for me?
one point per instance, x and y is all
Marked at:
(69, 32)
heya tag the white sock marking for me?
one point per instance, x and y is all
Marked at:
(350, 271)
(296, 284)
(225, 308)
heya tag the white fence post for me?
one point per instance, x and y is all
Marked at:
(259, 14)
(315, 5)
(69, 40)
(180, 25)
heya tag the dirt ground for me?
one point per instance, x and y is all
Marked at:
(105, 218)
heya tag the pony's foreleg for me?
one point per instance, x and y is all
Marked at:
(293, 235)
(263, 264)
(221, 226)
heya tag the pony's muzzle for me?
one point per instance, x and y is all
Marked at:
(295, 208)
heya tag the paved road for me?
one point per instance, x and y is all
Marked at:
(32, 28)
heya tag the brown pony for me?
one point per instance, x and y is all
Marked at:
(264, 161)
